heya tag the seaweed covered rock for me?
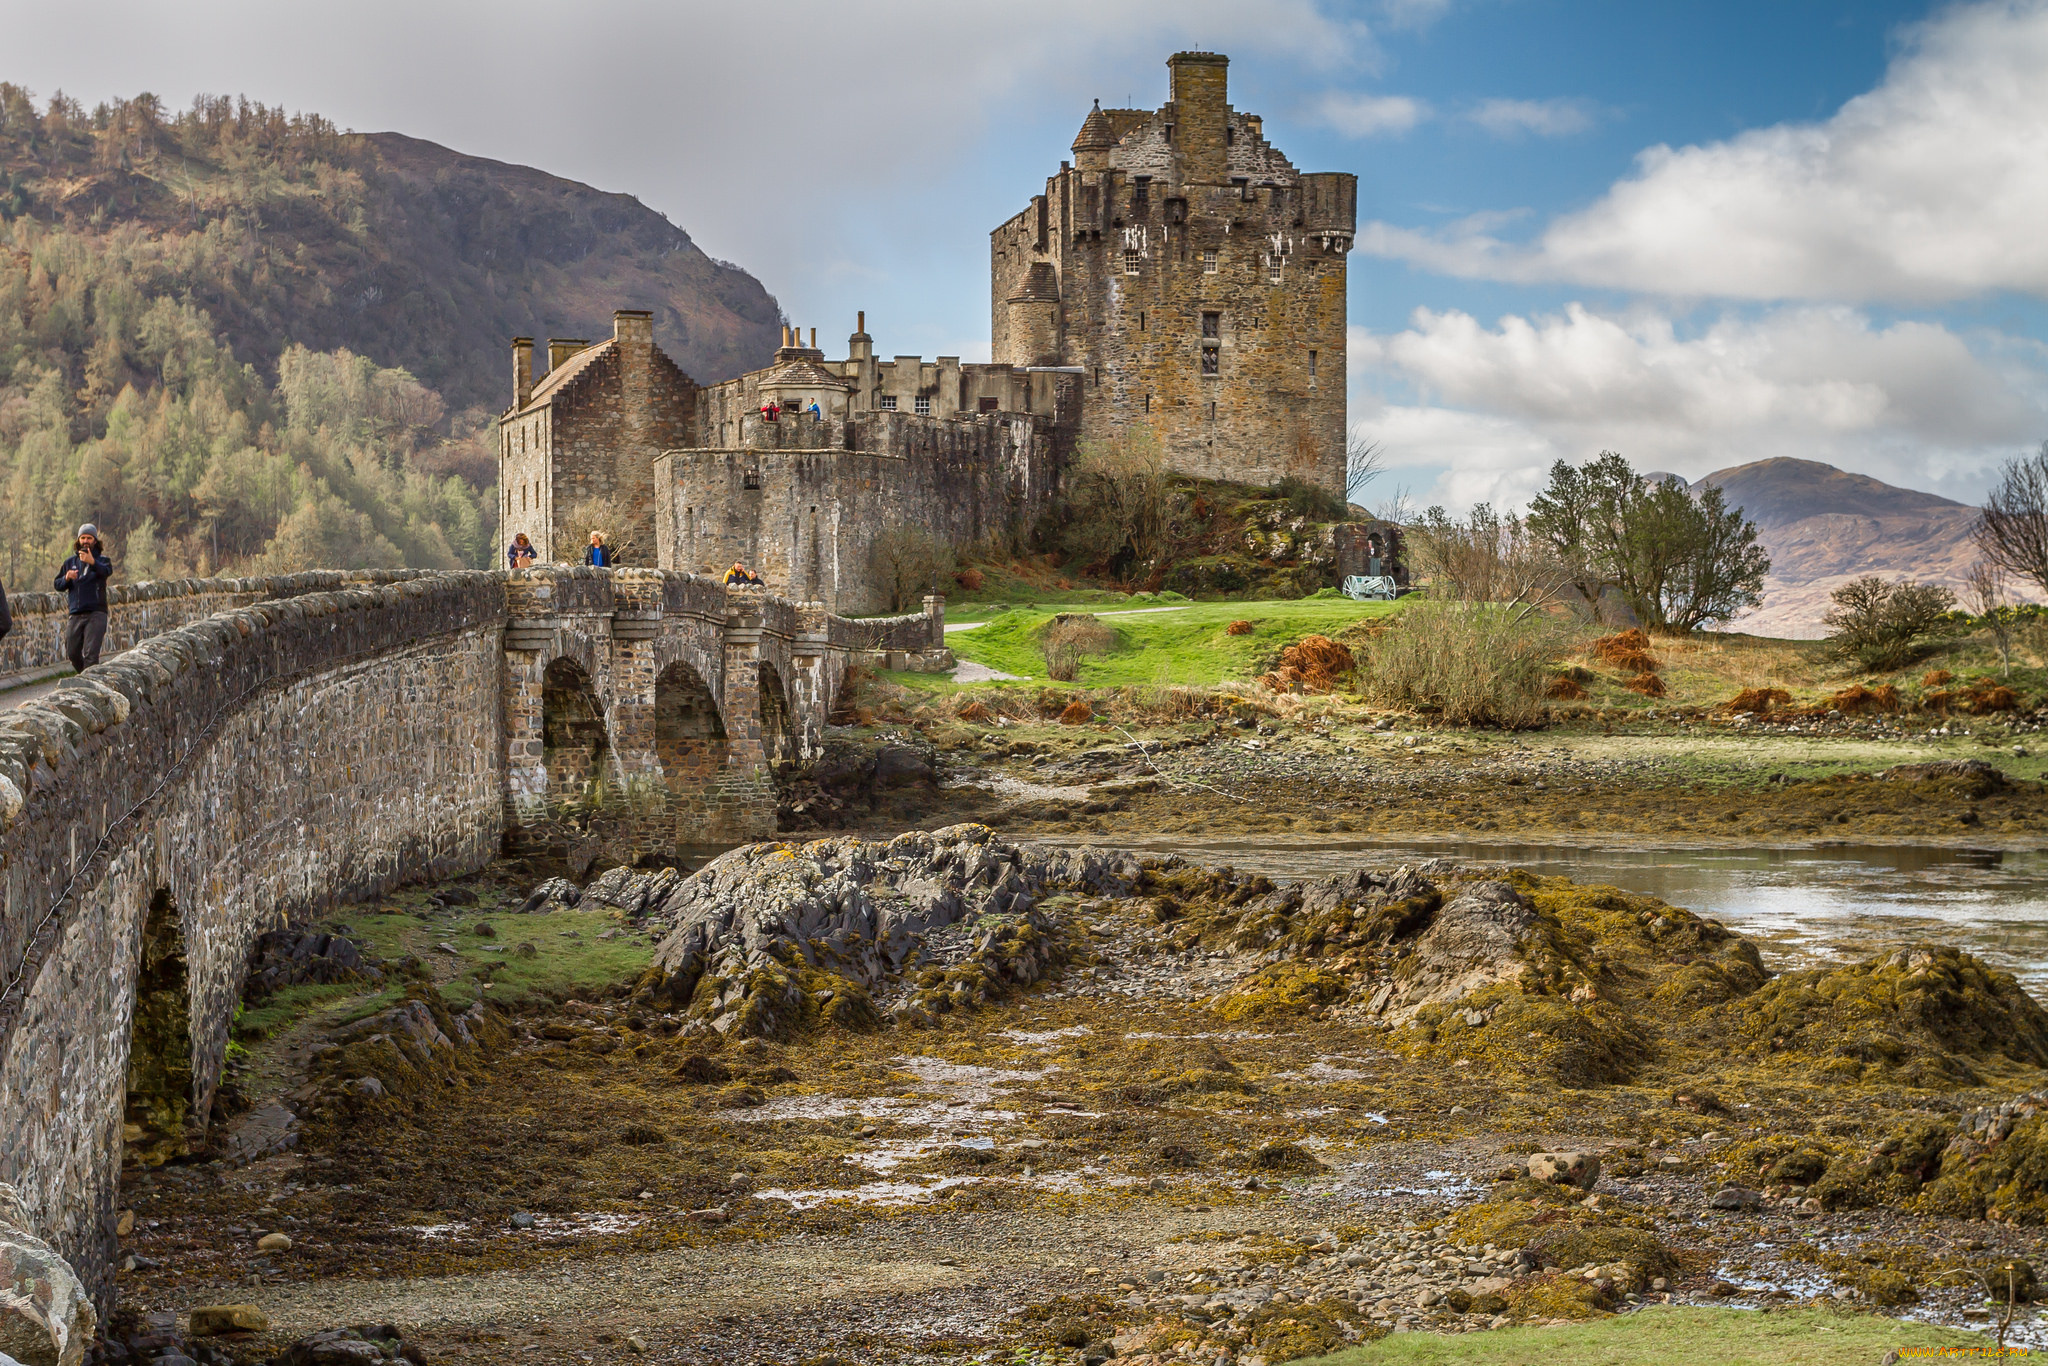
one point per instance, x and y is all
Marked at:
(405, 1056)
(1994, 1164)
(769, 938)
(285, 958)
(1475, 942)
(1917, 1016)
(1890, 1173)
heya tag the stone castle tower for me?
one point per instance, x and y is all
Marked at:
(1196, 281)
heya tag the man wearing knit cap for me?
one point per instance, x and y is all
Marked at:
(84, 576)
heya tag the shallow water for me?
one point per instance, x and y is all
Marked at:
(1801, 905)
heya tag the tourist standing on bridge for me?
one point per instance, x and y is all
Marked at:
(599, 554)
(84, 576)
(520, 554)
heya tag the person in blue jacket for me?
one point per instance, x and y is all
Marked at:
(84, 577)
(598, 554)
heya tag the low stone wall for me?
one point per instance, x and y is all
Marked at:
(137, 611)
(245, 770)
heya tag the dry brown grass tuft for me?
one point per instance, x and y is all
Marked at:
(1238, 628)
(1313, 664)
(1762, 701)
(1627, 650)
(1648, 684)
(1077, 713)
(976, 711)
(969, 579)
(1856, 699)
(1564, 688)
(1936, 678)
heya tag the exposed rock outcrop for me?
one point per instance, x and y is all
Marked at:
(46, 1317)
(772, 936)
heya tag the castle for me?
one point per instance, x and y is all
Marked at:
(1178, 277)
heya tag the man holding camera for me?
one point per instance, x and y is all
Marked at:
(84, 576)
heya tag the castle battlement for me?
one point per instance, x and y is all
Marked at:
(1179, 277)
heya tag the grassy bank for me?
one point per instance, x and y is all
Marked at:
(1164, 642)
(1678, 1337)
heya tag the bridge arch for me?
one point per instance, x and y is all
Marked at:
(263, 749)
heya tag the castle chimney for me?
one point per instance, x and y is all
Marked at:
(814, 339)
(860, 321)
(561, 348)
(522, 372)
(1201, 115)
(785, 335)
(632, 327)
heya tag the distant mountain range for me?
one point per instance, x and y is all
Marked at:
(1824, 527)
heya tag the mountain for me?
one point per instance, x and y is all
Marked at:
(395, 248)
(1824, 527)
(241, 339)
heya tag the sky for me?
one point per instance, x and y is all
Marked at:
(1699, 234)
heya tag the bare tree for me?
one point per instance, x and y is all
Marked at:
(1364, 459)
(2013, 530)
(1491, 557)
(1984, 594)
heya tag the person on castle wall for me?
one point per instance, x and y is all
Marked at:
(740, 576)
(814, 410)
(84, 577)
(599, 553)
(770, 411)
(521, 554)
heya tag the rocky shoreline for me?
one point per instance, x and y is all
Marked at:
(947, 1097)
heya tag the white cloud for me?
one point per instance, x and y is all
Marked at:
(1553, 118)
(1361, 116)
(1911, 403)
(1931, 187)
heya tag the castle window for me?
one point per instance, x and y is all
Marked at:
(1212, 326)
(887, 403)
(1272, 270)
(1212, 410)
(989, 404)
(1311, 369)
(1209, 262)
(1212, 361)
(1148, 403)
(1141, 197)
(522, 497)
(750, 479)
(924, 405)
(1141, 320)
(1130, 261)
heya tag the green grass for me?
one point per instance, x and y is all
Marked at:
(1673, 1337)
(1184, 645)
(561, 967)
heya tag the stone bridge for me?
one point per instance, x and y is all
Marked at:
(262, 749)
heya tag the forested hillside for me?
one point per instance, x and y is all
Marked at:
(241, 340)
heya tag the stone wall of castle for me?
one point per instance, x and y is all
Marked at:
(243, 772)
(579, 454)
(810, 513)
(1200, 285)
